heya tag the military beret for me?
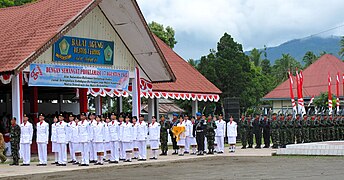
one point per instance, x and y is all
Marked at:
(175, 114)
(41, 114)
(198, 114)
(181, 116)
(121, 116)
(274, 113)
(186, 115)
(98, 116)
(265, 115)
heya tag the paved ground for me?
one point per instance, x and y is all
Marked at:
(245, 164)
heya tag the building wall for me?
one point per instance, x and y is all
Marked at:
(96, 26)
(281, 106)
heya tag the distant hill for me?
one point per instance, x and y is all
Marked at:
(298, 47)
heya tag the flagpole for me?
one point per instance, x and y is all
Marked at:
(329, 94)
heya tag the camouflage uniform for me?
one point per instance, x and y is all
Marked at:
(312, 130)
(341, 128)
(323, 129)
(275, 132)
(331, 132)
(317, 135)
(290, 131)
(210, 134)
(164, 127)
(243, 132)
(305, 129)
(2, 149)
(283, 132)
(298, 130)
(257, 131)
(15, 140)
(249, 132)
(337, 128)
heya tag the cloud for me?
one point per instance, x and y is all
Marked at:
(199, 24)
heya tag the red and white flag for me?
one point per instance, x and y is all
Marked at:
(293, 104)
(311, 101)
(337, 93)
(329, 94)
(301, 105)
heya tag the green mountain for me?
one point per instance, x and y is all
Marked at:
(298, 47)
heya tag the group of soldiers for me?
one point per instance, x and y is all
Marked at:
(284, 130)
(110, 138)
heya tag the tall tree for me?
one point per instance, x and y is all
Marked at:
(266, 66)
(309, 58)
(165, 34)
(341, 52)
(9, 3)
(255, 56)
(282, 66)
(192, 62)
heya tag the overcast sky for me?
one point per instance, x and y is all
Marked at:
(199, 24)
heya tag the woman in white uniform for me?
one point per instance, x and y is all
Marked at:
(54, 147)
(192, 137)
(135, 142)
(126, 135)
(182, 137)
(98, 140)
(231, 134)
(154, 137)
(107, 139)
(74, 128)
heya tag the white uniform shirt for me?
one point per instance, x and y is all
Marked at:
(69, 133)
(188, 131)
(126, 133)
(221, 128)
(98, 132)
(26, 133)
(74, 132)
(84, 130)
(114, 130)
(141, 131)
(53, 132)
(42, 132)
(62, 132)
(107, 137)
(232, 129)
(154, 131)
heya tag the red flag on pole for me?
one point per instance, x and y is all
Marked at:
(299, 79)
(329, 94)
(337, 93)
(292, 93)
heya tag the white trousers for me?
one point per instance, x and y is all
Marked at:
(142, 149)
(205, 144)
(93, 154)
(62, 153)
(121, 150)
(25, 152)
(114, 151)
(42, 153)
(187, 143)
(220, 143)
(85, 154)
(71, 151)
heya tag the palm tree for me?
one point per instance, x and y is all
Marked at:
(341, 52)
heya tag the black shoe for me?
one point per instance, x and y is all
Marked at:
(175, 153)
(93, 161)
(250, 146)
(186, 152)
(76, 163)
(244, 147)
(200, 154)
(134, 158)
(72, 161)
(181, 155)
(25, 165)
(220, 152)
(193, 154)
(14, 164)
(54, 163)
(152, 158)
(257, 147)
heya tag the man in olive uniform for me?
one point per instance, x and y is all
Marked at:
(275, 131)
(324, 128)
(174, 122)
(283, 130)
(298, 129)
(317, 128)
(336, 127)
(306, 125)
(266, 131)
(210, 134)
(15, 140)
(257, 130)
(164, 127)
(243, 131)
(341, 127)
(331, 128)
(290, 129)
(199, 132)
(249, 132)
(312, 129)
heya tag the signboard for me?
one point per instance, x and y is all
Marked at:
(51, 75)
(81, 50)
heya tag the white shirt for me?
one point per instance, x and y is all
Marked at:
(221, 128)
(126, 132)
(114, 130)
(98, 132)
(69, 133)
(84, 130)
(42, 132)
(74, 132)
(141, 131)
(26, 133)
(154, 131)
(62, 132)
(53, 132)
(188, 128)
(232, 129)
(107, 137)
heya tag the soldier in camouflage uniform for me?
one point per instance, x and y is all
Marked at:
(15, 140)
(317, 135)
(341, 127)
(249, 132)
(283, 130)
(305, 128)
(331, 128)
(336, 127)
(312, 129)
(275, 131)
(257, 131)
(298, 129)
(266, 123)
(324, 128)
(164, 127)
(210, 134)
(290, 129)
(243, 131)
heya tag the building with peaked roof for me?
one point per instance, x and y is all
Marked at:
(315, 82)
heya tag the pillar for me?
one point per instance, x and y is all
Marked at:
(34, 103)
(136, 102)
(194, 105)
(98, 104)
(151, 109)
(120, 100)
(83, 101)
(17, 97)
(60, 102)
(156, 108)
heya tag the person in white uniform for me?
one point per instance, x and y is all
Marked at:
(232, 134)
(98, 140)
(141, 132)
(215, 142)
(114, 129)
(107, 139)
(54, 147)
(93, 153)
(135, 143)
(182, 137)
(120, 142)
(188, 133)
(74, 141)
(26, 133)
(84, 130)
(154, 137)
(126, 135)
(62, 140)
(220, 134)
(71, 123)
(42, 138)
(192, 140)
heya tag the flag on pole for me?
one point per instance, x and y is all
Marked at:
(337, 93)
(303, 110)
(311, 101)
(329, 94)
(300, 102)
(292, 93)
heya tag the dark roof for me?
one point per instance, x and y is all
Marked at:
(188, 79)
(315, 79)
